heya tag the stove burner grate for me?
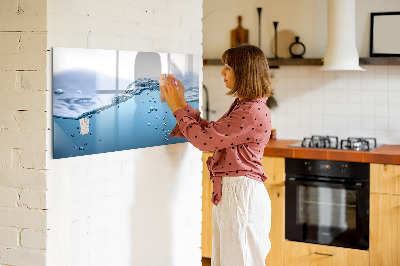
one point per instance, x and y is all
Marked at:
(328, 142)
(358, 144)
(332, 142)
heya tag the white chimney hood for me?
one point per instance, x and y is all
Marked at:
(341, 51)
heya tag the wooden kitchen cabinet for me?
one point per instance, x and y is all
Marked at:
(206, 225)
(384, 236)
(385, 178)
(305, 254)
(274, 168)
(277, 233)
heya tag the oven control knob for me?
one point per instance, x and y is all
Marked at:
(343, 168)
(308, 166)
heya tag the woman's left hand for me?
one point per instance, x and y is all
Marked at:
(170, 90)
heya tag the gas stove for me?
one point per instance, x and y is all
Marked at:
(332, 142)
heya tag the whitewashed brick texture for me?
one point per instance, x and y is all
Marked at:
(34, 239)
(23, 218)
(117, 208)
(9, 237)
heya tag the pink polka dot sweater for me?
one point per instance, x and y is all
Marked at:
(238, 139)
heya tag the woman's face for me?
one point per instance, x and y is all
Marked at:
(229, 76)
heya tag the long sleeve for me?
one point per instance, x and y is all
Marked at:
(231, 130)
(193, 113)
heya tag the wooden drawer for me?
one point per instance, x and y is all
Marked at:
(305, 254)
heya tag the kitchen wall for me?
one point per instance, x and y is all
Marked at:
(135, 207)
(311, 102)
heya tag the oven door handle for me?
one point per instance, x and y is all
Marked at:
(357, 185)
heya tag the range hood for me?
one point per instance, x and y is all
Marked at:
(341, 51)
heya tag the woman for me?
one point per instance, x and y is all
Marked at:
(242, 208)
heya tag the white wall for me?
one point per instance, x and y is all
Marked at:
(305, 18)
(135, 207)
(23, 133)
(311, 102)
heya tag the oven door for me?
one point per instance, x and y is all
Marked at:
(327, 213)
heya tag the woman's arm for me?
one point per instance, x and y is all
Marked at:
(239, 127)
(175, 99)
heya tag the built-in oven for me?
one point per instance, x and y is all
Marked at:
(327, 202)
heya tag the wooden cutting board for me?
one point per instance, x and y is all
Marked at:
(239, 35)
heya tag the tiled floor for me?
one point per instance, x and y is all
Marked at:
(206, 261)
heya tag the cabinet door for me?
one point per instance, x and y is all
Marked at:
(206, 232)
(385, 178)
(277, 233)
(305, 254)
(384, 229)
(274, 168)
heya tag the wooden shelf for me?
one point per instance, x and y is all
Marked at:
(380, 61)
(273, 63)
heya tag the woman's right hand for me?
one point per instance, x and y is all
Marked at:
(181, 91)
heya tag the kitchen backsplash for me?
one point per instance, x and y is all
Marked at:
(314, 102)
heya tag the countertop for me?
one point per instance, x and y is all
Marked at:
(388, 154)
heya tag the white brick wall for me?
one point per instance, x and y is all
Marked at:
(23, 128)
(135, 207)
(100, 206)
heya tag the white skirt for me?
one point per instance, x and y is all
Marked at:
(241, 223)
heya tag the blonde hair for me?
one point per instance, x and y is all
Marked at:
(250, 66)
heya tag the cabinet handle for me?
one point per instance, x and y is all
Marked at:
(325, 254)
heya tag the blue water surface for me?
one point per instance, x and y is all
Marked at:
(134, 119)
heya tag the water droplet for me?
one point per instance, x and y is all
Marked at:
(75, 147)
(90, 116)
(58, 91)
(90, 134)
(72, 135)
(77, 127)
(156, 128)
(156, 117)
(148, 124)
(165, 124)
(155, 109)
(99, 139)
(81, 148)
